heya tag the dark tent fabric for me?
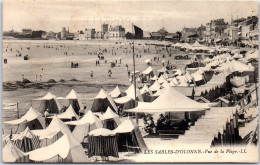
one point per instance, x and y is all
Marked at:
(102, 146)
(32, 125)
(49, 104)
(147, 97)
(75, 105)
(27, 144)
(130, 140)
(100, 105)
(26, 141)
(110, 124)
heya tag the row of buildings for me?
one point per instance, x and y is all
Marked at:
(239, 31)
(106, 32)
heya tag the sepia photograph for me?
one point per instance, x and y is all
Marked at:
(128, 81)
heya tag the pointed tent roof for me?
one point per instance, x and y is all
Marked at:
(116, 92)
(125, 127)
(197, 44)
(130, 92)
(103, 94)
(162, 80)
(72, 95)
(68, 114)
(109, 114)
(11, 153)
(177, 44)
(154, 78)
(148, 70)
(170, 100)
(55, 127)
(48, 96)
(123, 100)
(30, 115)
(145, 89)
(88, 118)
(254, 55)
(26, 133)
(163, 69)
(156, 86)
(102, 132)
(62, 147)
(234, 66)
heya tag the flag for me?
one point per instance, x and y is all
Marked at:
(138, 32)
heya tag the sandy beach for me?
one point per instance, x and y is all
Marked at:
(51, 63)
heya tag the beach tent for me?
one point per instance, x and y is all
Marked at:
(162, 80)
(50, 102)
(148, 72)
(116, 92)
(130, 92)
(84, 125)
(145, 89)
(170, 100)
(11, 154)
(110, 119)
(234, 66)
(129, 136)
(254, 55)
(126, 102)
(65, 150)
(74, 100)
(146, 93)
(102, 101)
(32, 119)
(26, 141)
(154, 78)
(155, 87)
(102, 142)
(177, 45)
(161, 71)
(53, 132)
(69, 114)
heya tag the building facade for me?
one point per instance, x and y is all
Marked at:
(116, 32)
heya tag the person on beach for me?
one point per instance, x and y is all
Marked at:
(82, 111)
(91, 74)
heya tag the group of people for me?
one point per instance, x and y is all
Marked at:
(163, 123)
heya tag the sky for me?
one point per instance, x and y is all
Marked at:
(52, 15)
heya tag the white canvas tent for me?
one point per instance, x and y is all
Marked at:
(148, 71)
(110, 119)
(33, 119)
(116, 92)
(84, 125)
(11, 154)
(49, 101)
(155, 87)
(102, 101)
(170, 100)
(53, 132)
(130, 92)
(145, 89)
(66, 150)
(129, 135)
(162, 80)
(75, 101)
(68, 114)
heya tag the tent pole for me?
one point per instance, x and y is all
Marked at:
(136, 115)
(17, 111)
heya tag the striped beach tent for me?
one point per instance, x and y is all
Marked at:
(26, 141)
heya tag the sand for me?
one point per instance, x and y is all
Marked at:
(51, 63)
